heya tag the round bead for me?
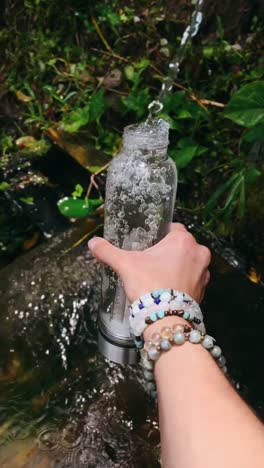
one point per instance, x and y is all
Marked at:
(195, 336)
(179, 338)
(154, 394)
(155, 293)
(177, 328)
(150, 386)
(208, 342)
(161, 314)
(166, 296)
(148, 301)
(146, 364)
(222, 361)
(191, 317)
(165, 345)
(216, 351)
(164, 306)
(148, 375)
(186, 315)
(135, 309)
(166, 332)
(153, 354)
(153, 317)
(156, 339)
(224, 369)
(148, 345)
(139, 344)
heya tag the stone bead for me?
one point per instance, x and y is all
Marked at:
(222, 361)
(164, 306)
(155, 293)
(148, 345)
(153, 317)
(179, 338)
(191, 317)
(224, 369)
(148, 301)
(150, 386)
(161, 314)
(216, 351)
(156, 338)
(186, 315)
(135, 309)
(177, 328)
(208, 342)
(195, 336)
(146, 364)
(148, 375)
(166, 332)
(166, 296)
(165, 345)
(174, 305)
(154, 394)
(153, 354)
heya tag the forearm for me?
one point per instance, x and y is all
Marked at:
(203, 421)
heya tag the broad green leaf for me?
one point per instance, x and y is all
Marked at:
(251, 175)
(232, 196)
(129, 72)
(186, 152)
(78, 207)
(246, 106)
(242, 200)
(255, 134)
(184, 114)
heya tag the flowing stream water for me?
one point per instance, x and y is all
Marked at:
(61, 404)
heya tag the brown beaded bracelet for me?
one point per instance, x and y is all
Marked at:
(169, 313)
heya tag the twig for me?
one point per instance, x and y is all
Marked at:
(104, 41)
(111, 54)
(92, 181)
(207, 102)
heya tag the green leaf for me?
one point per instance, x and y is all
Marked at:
(255, 134)
(251, 175)
(187, 150)
(78, 207)
(213, 200)
(129, 72)
(94, 168)
(97, 106)
(184, 114)
(4, 186)
(77, 119)
(241, 201)
(78, 191)
(27, 200)
(246, 106)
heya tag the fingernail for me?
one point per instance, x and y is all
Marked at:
(92, 242)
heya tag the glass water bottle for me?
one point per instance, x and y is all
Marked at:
(140, 197)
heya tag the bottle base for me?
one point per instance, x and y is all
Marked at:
(116, 353)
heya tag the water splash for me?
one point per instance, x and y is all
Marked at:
(192, 29)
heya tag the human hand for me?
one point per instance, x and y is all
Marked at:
(176, 262)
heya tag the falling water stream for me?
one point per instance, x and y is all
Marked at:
(61, 404)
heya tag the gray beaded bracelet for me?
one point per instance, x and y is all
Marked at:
(177, 335)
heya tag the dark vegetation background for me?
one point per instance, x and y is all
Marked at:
(73, 74)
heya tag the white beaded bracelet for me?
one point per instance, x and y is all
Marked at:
(161, 303)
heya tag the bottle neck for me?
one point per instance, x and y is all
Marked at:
(150, 154)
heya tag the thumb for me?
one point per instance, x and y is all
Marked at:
(106, 253)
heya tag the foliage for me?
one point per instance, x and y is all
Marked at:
(90, 69)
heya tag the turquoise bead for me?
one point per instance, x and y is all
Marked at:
(165, 345)
(179, 338)
(155, 293)
(195, 336)
(161, 291)
(191, 317)
(153, 317)
(161, 314)
(186, 315)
